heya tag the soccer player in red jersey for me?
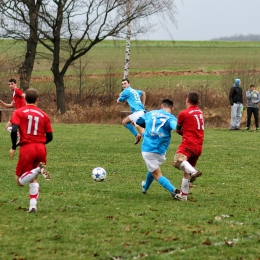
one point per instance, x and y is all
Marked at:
(35, 132)
(190, 125)
(17, 100)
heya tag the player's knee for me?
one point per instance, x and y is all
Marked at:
(176, 164)
(178, 159)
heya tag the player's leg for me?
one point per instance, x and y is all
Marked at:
(31, 163)
(147, 183)
(153, 162)
(163, 181)
(34, 194)
(190, 174)
(134, 117)
(127, 123)
(180, 162)
(25, 170)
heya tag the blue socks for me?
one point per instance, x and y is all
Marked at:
(148, 181)
(131, 128)
(166, 184)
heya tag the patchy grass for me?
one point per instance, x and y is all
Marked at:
(78, 218)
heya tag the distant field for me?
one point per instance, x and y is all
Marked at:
(152, 56)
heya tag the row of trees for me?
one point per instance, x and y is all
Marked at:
(69, 29)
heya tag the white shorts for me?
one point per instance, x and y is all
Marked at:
(153, 160)
(134, 117)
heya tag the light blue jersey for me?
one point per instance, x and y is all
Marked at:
(133, 99)
(158, 127)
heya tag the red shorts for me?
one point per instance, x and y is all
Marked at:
(192, 152)
(29, 157)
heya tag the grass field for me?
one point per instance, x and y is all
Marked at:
(146, 56)
(78, 218)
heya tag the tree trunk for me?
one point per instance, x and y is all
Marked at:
(25, 71)
(60, 93)
(127, 52)
(127, 47)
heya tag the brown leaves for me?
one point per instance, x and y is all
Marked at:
(207, 242)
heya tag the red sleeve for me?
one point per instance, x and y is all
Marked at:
(18, 92)
(15, 118)
(180, 118)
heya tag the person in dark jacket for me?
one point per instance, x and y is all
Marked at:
(236, 102)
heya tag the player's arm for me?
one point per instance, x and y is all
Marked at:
(11, 105)
(143, 97)
(49, 137)
(178, 129)
(14, 136)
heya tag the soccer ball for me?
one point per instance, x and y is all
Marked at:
(99, 174)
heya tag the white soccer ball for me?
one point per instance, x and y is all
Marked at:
(99, 174)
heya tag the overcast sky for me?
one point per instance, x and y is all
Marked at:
(208, 19)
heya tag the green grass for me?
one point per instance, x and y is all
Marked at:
(146, 57)
(78, 218)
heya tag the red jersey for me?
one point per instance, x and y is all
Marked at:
(33, 124)
(192, 123)
(18, 99)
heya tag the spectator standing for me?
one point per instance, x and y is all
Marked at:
(236, 102)
(253, 98)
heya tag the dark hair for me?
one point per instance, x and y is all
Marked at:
(12, 80)
(31, 95)
(125, 80)
(252, 85)
(193, 98)
(167, 103)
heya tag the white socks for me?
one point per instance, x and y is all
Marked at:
(186, 167)
(34, 194)
(29, 176)
(184, 188)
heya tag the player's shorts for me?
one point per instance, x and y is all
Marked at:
(153, 160)
(191, 152)
(29, 157)
(133, 117)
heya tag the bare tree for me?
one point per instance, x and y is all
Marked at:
(19, 20)
(69, 29)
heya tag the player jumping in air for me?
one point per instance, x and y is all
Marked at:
(136, 100)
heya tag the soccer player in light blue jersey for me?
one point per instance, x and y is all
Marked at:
(136, 101)
(156, 139)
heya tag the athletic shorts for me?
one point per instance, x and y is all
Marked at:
(133, 117)
(153, 160)
(191, 152)
(29, 157)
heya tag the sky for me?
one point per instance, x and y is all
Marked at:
(199, 20)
